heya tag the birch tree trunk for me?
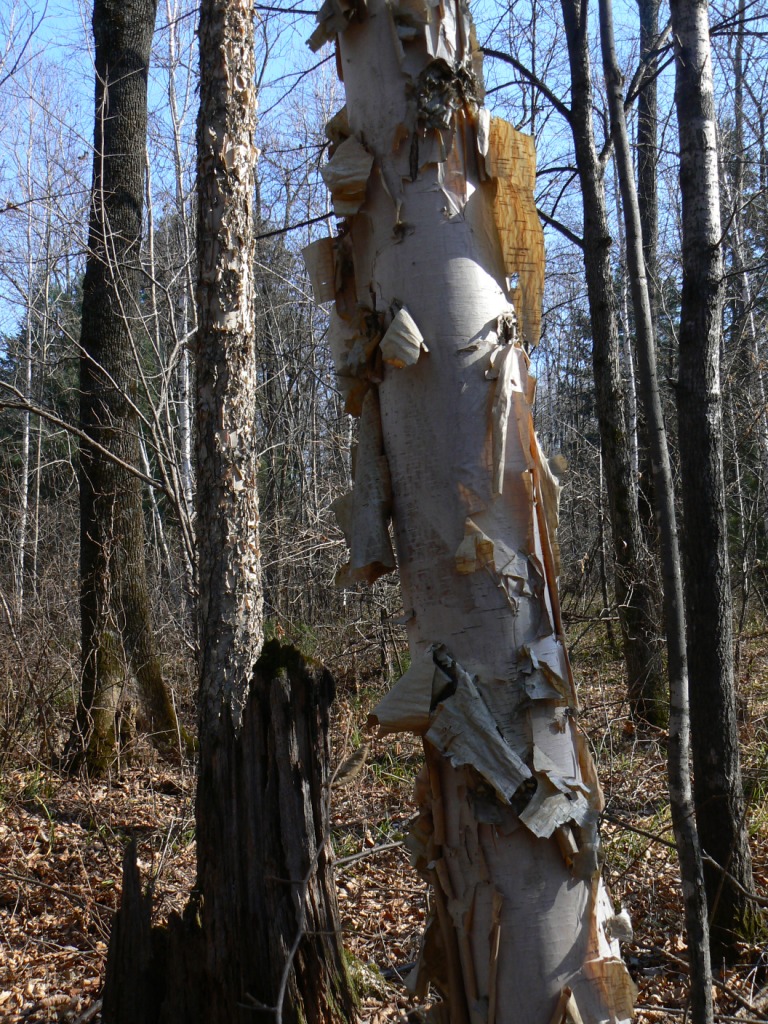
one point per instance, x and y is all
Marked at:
(720, 810)
(437, 273)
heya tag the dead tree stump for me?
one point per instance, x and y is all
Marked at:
(259, 940)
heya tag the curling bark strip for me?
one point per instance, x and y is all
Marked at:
(436, 273)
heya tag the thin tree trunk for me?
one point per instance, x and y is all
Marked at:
(187, 313)
(720, 810)
(681, 798)
(634, 591)
(627, 355)
(647, 149)
(744, 313)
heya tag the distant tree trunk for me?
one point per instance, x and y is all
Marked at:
(681, 797)
(259, 939)
(634, 589)
(648, 202)
(647, 149)
(117, 637)
(720, 810)
(744, 306)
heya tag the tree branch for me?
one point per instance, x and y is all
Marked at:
(22, 405)
(535, 81)
(559, 226)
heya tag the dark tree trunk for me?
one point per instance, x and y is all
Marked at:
(720, 810)
(680, 795)
(647, 150)
(634, 592)
(648, 201)
(116, 628)
(133, 973)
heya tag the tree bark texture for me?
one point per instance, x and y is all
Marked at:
(681, 797)
(436, 273)
(226, 382)
(634, 574)
(260, 938)
(116, 621)
(720, 809)
(133, 971)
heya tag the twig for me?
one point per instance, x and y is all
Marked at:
(761, 901)
(627, 826)
(367, 853)
(90, 1013)
(718, 984)
(77, 900)
(663, 1011)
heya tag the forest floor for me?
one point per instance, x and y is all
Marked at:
(62, 841)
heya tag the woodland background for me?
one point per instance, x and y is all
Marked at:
(61, 838)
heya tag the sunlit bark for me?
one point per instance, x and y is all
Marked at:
(437, 275)
(678, 760)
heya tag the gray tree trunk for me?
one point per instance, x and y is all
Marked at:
(647, 148)
(681, 797)
(720, 810)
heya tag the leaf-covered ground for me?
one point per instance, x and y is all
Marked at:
(61, 844)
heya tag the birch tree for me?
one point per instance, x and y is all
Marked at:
(436, 275)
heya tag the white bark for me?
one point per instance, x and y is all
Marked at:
(441, 218)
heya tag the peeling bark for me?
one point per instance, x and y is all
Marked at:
(445, 228)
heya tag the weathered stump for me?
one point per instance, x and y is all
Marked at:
(259, 939)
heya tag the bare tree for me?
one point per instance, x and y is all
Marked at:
(260, 935)
(634, 577)
(680, 795)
